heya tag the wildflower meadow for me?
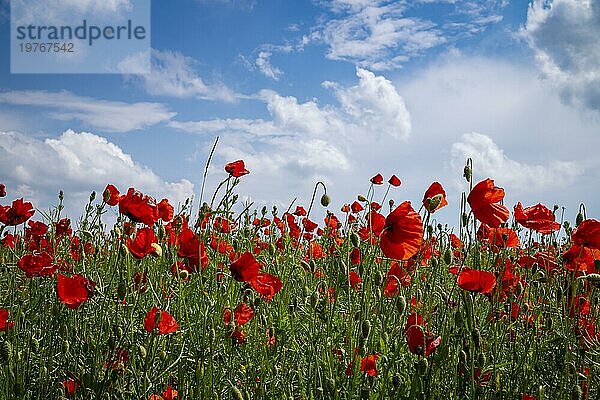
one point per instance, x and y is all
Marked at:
(376, 300)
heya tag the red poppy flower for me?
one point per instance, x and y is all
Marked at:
(2, 190)
(355, 280)
(435, 197)
(63, 228)
(475, 280)
(367, 364)
(141, 246)
(579, 259)
(242, 314)
(484, 199)
(111, 195)
(503, 238)
(75, 290)
(245, 268)
(236, 169)
(355, 256)
(538, 218)
(192, 249)
(395, 277)
(35, 229)
(402, 234)
(162, 324)
(300, 211)
(165, 210)
(356, 207)
(394, 181)
(375, 222)
(70, 386)
(309, 225)
(37, 264)
(139, 207)
(266, 285)
(421, 342)
(17, 213)
(5, 325)
(587, 234)
(377, 180)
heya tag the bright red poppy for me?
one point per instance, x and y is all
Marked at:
(503, 238)
(421, 342)
(242, 314)
(139, 207)
(141, 246)
(484, 201)
(394, 181)
(538, 218)
(75, 290)
(192, 250)
(70, 386)
(402, 234)
(165, 210)
(475, 280)
(395, 277)
(300, 211)
(111, 195)
(236, 169)
(266, 285)
(435, 197)
(356, 207)
(63, 228)
(17, 213)
(161, 324)
(355, 280)
(168, 394)
(367, 364)
(5, 325)
(377, 180)
(587, 234)
(39, 264)
(245, 268)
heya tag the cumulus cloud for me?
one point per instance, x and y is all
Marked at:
(263, 64)
(111, 116)
(56, 11)
(173, 74)
(491, 160)
(564, 36)
(77, 163)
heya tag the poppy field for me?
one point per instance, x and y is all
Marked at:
(225, 301)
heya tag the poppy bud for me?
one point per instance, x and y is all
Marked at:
(35, 345)
(162, 355)
(578, 219)
(467, 173)
(237, 393)
(448, 257)
(432, 203)
(391, 203)
(6, 351)
(481, 360)
(65, 346)
(366, 328)
(305, 266)
(396, 380)
(61, 195)
(576, 392)
(401, 304)
(361, 198)
(330, 385)
(593, 278)
(272, 249)
(462, 358)
(313, 265)
(121, 291)
(476, 335)
(365, 392)
(157, 249)
(429, 230)
(422, 366)
(124, 249)
(354, 239)
(92, 196)
(184, 274)
(325, 200)
(465, 219)
(117, 231)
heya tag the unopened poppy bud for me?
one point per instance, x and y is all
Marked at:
(366, 328)
(330, 385)
(465, 219)
(6, 351)
(162, 355)
(448, 257)
(157, 249)
(124, 249)
(354, 239)
(142, 350)
(462, 358)
(467, 173)
(578, 219)
(117, 231)
(422, 366)
(365, 392)
(391, 203)
(397, 380)
(576, 392)
(184, 274)
(361, 198)
(458, 319)
(121, 291)
(429, 230)
(401, 304)
(92, 196)
(325, 200)
(305, 266)
(313, 265)
(61, 195)
(476, 335)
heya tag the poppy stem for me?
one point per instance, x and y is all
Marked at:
(210, 155)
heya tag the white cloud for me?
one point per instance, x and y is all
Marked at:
(77, 163)
(489, 159)
(57, 11)
(112, 116)
(564, 36)
(173, 74)
(263, 64)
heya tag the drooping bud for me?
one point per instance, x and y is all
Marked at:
(361, 198)
(401, 304)
(448, 257)
(354, 239)
(157, 249)
(366, 328)
(325, 200)
(467, 173)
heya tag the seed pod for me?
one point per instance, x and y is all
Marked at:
(578, 219)
(354, 239)
(422, 366)
(237, 393)
(396, 380)
(467, 173)
(366, 328)
(6, 351)
(325, 200)
(401, 304)
(361, 198)
(448, 257)
(142, 350)
(121, 290)
(476, 335)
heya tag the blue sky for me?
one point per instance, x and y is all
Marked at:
(313, 90)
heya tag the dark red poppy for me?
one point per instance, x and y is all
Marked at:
(141, 246)
(17, 213)
(402, 234)
(266, 285)
(111, 195)
(355, 256)
(394, 181)
(435, 197)
(161, 324)
(63, 228)
(484, 201)
(309, 225)
(356, 207)
(35, 229)
(580, 259)
(75, 290)
(165, 210)
(5, 325)
(300, 211)
(2, 190)
(236, 169)
(377, 180)
(367, 364)
(587, 234)
(70, 386)
(475, 280)
(39, 264)
(538, 218)
(421, 342)
(355, 280)
(192, 249)
(245, 268)
(139, 207)
(242, 314)
(140, 281)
